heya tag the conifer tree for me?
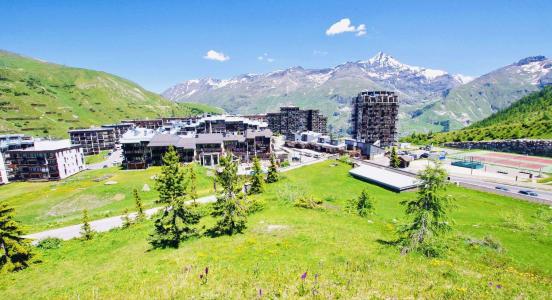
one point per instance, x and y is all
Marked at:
(394, 161)
(192, 183)
(140, 215)
(126, 219)
(15, 251)
(428, 211)
(257, 180)
(176, 221)
(272, 170)
(230, 208)
(86, 230)
(365, 204)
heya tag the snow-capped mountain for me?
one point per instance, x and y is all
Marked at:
(431, 99)
(417, 84)
(489, 93)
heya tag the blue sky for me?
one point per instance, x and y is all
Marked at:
(160, 44)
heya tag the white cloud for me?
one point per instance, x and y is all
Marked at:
(319, 53)
(344, 25)
(214, 55)
(265, 57)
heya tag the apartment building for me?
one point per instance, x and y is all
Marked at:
(12, 142)
(119, 129)
(291, 120)
(47, 160)
(3, 170)
(93, 140)
(374, 118)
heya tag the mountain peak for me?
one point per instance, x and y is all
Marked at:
(382, 58)
(530, 59)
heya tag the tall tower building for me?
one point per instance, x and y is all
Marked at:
(374, 117)
(291, 120)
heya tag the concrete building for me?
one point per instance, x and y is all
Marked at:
(317, 142)
(145, 147)
(93, 140)
(146, 123)
(12, 142)
(291, 120)
(3, 171)
(374, 118)
(119, 129)
(47, 160)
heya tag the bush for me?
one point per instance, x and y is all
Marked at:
(308, 202)
(488, 242)
(49, 243)
(254, 205)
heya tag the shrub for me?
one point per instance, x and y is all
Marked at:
(487, 241)
(49, 243)
(309, 202)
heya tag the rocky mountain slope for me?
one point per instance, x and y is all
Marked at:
(329, 89)
(529, 117)
(46, 99)
(488, 94)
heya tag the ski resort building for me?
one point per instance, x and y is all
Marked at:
(374, 117)
(291, 120)
(47, 160)
(93, 140)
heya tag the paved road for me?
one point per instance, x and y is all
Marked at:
(114, 158)
(513, 190)
(70, 232)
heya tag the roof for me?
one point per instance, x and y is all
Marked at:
(137, 135)
(91, 129)
(165, 140)
(384, 177)
(48, 146)
(255, 133)
(209, 138)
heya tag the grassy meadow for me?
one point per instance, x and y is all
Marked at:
(344, 256)
(45, 205)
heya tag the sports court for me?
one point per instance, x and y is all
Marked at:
(510, 160)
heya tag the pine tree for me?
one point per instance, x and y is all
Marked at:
(86, 230)
(272, 170)
(126, 219)
(176, 221)
(428, 211)
(192, 183)
(171, 182)
(230, 207)
(365, 204)
(15, 251)
(257, 180)
(394, 161)
(140, 215)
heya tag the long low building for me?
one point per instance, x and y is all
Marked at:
(383, 177)
(145, 147)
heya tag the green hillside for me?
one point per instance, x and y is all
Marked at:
(45, 99)
(530, 117)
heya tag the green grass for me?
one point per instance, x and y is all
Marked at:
(342, 249)
(96, 158)
(45, 205)
(46, 99)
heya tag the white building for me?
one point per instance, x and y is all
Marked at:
(3, 172)
(47, 160)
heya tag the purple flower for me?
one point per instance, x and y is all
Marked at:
(260, 292)
(316, 276)
(499, 286)
(200, 276)
(206, 270)
(304, 276)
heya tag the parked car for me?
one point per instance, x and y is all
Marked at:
(502, 188)
(528, 193)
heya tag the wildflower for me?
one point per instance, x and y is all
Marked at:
(490, 284)
(206, 270)
(499, 286)
(200, 276)
(316, 276)
(260, 292)
(304, 276)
